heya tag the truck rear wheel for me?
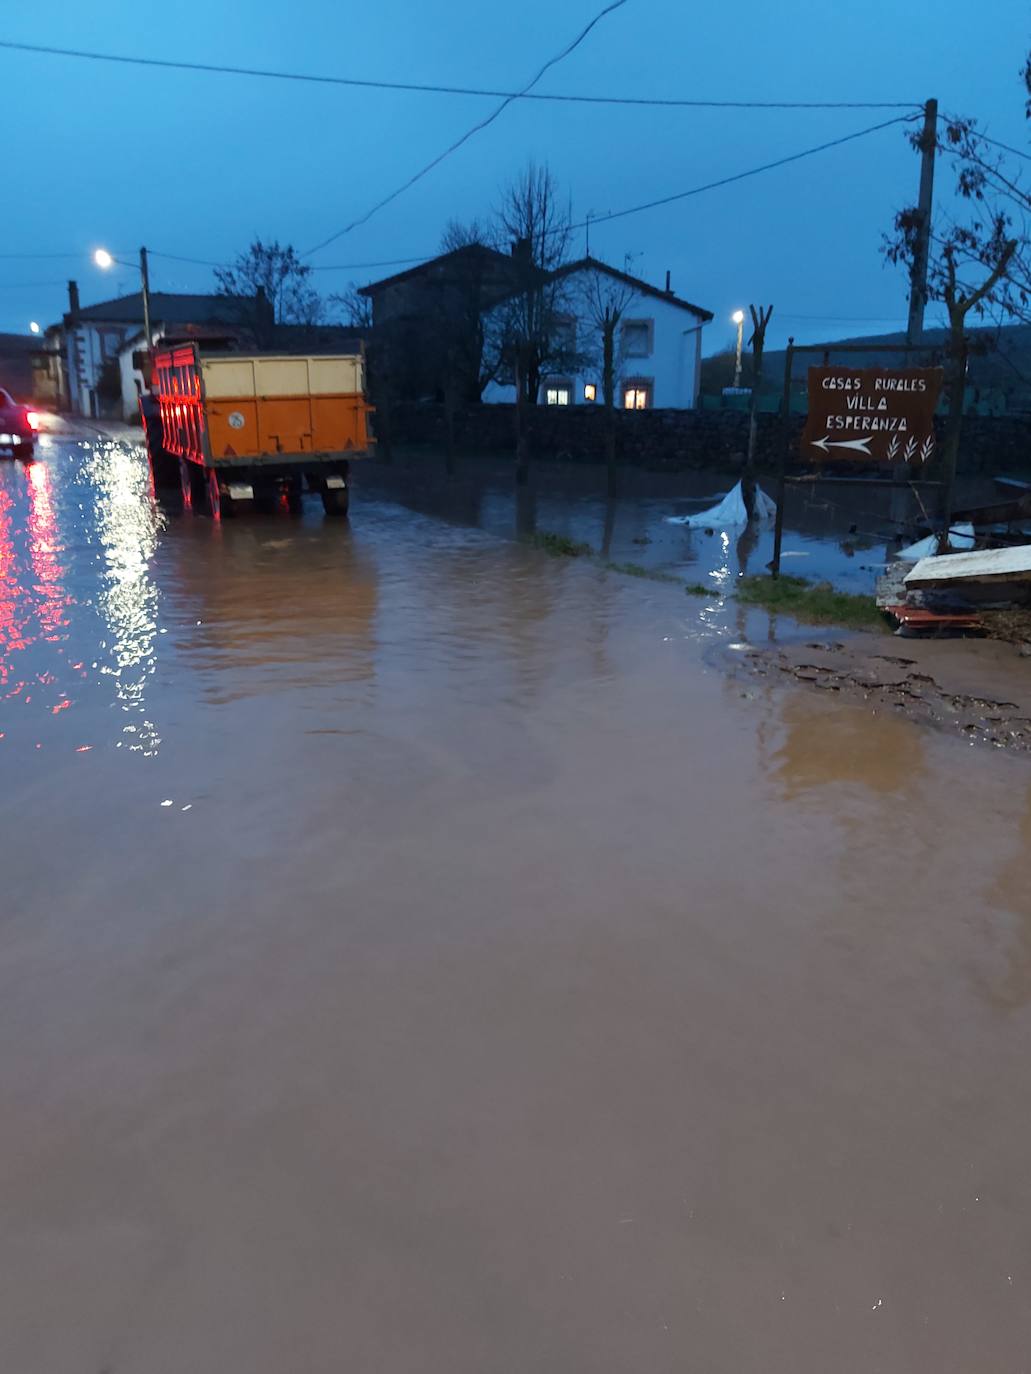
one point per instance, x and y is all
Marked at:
(186, 483)
(335, 500)
(213, 497)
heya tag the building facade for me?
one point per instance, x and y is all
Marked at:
(657, 342)
(93, 338)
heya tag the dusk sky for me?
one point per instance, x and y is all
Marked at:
(197, 165)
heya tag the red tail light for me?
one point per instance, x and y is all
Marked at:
(32, 419)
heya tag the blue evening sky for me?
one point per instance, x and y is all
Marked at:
(197, 165)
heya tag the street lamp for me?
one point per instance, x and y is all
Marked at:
(739, 319)
(33, 327)
(105, 260)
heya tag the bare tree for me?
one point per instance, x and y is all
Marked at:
(459, 234)
(603, 301)
(278, 272)
(532, 219)
(760, 319)
(354, 308)
(979, 261)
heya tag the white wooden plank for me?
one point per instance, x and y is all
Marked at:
(980, 565)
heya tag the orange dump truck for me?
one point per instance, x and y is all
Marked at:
(243, 427)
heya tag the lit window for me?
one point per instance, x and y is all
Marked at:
(590, 391)
(637, 397)
(557, 396)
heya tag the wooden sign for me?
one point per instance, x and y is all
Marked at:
(871, 414)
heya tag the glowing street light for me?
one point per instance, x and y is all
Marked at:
(105, 260)
(739, 319)
(34, 327)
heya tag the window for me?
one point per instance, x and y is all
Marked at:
(637, 396)
(638, 338)
(590, 391)
(557, 394)
(564, 333)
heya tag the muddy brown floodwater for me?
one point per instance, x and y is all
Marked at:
(416, 955)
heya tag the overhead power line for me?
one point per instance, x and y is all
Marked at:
(1005, 146)
(429, 88)
(740, 176)
(469, 133)
(174, 257)
(357, 266)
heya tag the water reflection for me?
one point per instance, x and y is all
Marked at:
(127, 522)
(34, 601)
(266, 604)
(819, 747)
(1012, 892)
(45, 549)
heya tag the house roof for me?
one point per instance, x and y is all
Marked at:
(18, 344)
(643, 288)
(284, 338)
(168, 306)
(468, 252)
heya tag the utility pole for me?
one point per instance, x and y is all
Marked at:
(145, 280)
(918, 283)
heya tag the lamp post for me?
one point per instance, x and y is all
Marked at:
(104, 260)
(34, 327)
(739, 319)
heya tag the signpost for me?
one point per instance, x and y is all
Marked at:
(858, 415)
(872, 414)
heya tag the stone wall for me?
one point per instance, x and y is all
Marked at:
(666, 440)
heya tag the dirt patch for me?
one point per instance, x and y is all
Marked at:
(978, 690)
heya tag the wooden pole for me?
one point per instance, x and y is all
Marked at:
(760, 319)
(778, 529)
(921, 252)
(953, 425)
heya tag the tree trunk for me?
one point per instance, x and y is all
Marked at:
(521, 465)
(954, 420)
(748, 479)
(608, 390)
(449, 416)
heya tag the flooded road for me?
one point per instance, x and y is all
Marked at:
(415, 957)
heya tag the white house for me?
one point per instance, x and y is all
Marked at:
(94, 336)
(657, 344)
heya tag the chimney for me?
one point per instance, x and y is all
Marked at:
(669, 289)
(73, 298)
(521, 250)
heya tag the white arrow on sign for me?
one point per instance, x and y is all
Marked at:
(860, 445)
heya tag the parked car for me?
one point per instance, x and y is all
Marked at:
(18, 426)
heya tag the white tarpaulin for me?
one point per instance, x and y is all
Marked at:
(960, 537)
(729, 513)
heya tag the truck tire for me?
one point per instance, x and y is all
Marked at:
(186, 483)
(335, 500)
(212, 495)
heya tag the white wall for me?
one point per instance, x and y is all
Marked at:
(673, 367)
(132, 380)
(87, 345)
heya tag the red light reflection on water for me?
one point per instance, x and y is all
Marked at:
(44, 548)
(33, 600)
(12, 597)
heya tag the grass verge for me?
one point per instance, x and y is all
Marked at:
(816, 603)
(560, 545)
(635, 570)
